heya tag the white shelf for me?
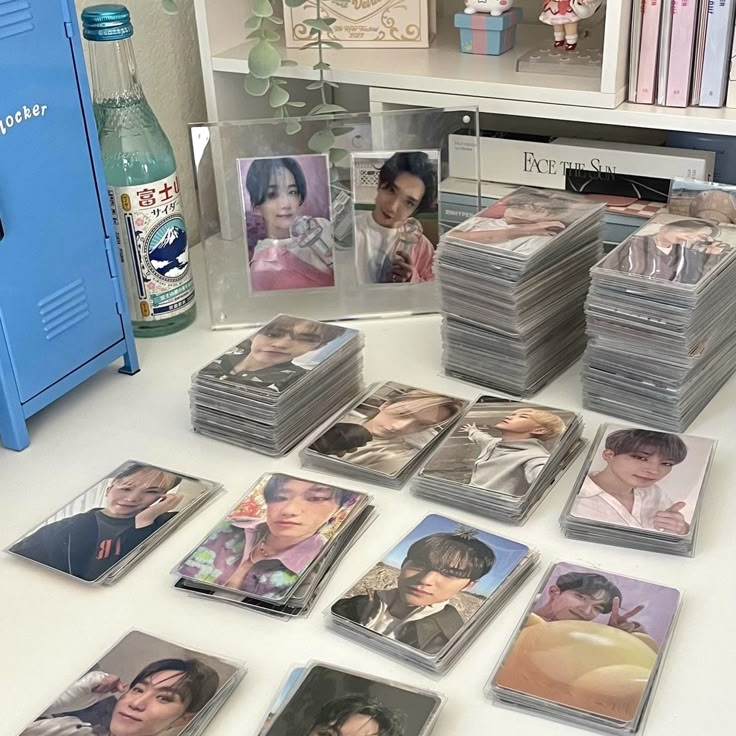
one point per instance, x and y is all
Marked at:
(440, 69)
(716, 121)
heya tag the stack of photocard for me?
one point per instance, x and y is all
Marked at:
(270, 390)
(101, 533)
(143, 685)
(277, 548)
(659, 348)
(501, 458)
(386, 435)
(589, 649)
(640, 488)
(429, 596)
(321, 700)
(513, 280)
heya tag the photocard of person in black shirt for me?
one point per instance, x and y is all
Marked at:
(277, 355)
(110, 520)
(328, 701)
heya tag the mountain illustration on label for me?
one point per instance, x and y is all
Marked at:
(167, 248)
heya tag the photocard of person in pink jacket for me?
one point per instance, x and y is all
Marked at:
(287, 222)
(396, 225)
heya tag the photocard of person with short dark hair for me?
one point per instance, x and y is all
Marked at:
(143, 686)
(523, 221)
(328, 701)
(674, 248)
(268, 543)
(426, 590)
(396, 220)
(288, 222)
(500, 445)
(389, 428)
(644, 479)
(591, 642)
(277, 355)
(112, 521)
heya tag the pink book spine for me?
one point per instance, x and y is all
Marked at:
(681, 52)
(645, 86)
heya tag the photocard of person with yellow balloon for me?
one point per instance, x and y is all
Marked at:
(640, 488)
(589, 648)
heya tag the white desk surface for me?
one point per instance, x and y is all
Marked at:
(52, 628)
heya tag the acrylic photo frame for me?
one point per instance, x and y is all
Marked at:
(219, 150)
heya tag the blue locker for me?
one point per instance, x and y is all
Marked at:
(63, 314)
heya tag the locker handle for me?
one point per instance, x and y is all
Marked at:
(2, 230)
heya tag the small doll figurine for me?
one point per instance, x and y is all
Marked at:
(564, 16)
(492, 7)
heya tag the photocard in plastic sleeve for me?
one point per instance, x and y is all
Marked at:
(428, 588)
(389, 429)
(328, 700)
(500, 445)
(114, 520)
(269, 542)
(277, 356)
(143, 685)
(288, 222)
(589, 647)
(674, 249)
(396, 220)
(643, 479)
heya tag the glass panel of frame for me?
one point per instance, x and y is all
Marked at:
(346, 233)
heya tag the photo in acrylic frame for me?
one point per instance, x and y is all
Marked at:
(288, 222)
(395, 216)
(217, 147)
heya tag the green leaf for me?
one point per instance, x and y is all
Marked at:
(276, 81)
(253, 23)
(321, 141)
(311, 45)
(315, 85)
(271, 36)
(338, 154)
(279, 97)
(294, 3)
(262, 8)
(341, 129)
(321, 65)
(297, 104)
(332, 84)
(326, 109)
(255, 33)
(318, 25)
(292, 126)
(169, 7)
(263, 60)
(329, 21)
(256, 87)
(332, 44)
(275, 20)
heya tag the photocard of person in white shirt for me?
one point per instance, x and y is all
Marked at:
(429, 586)
(144, 686)
(390, 427)
(500, 446)
(523, 221)
(327, 701)
(287, 222)
(644, 479)
(396, 215)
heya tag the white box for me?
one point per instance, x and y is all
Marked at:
(386, 24)
(541, 164)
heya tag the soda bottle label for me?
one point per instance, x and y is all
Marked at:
(152, 241)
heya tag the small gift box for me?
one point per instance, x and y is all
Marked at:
(493, 35)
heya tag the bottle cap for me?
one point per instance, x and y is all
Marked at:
(106, 23)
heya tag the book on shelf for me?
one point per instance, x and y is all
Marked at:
(663, 57)
(681, 52)
(731, 85)
(637, 13)
(645, 86)
(717, 57)
(705, 8)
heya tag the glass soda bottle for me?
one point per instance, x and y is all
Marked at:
(141, 178)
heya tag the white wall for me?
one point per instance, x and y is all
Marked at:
(168, 61)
